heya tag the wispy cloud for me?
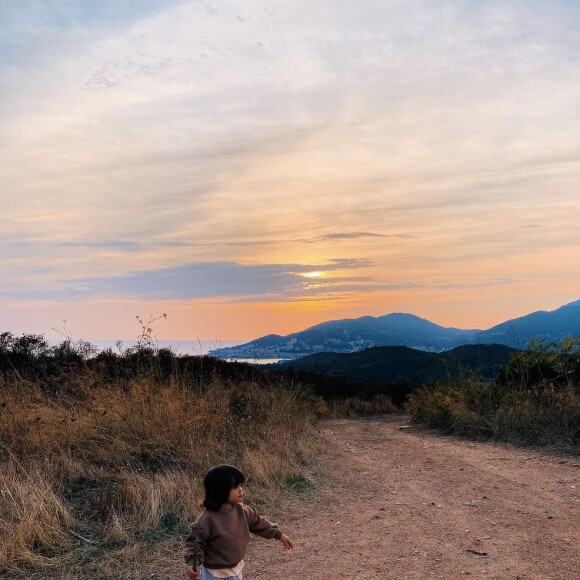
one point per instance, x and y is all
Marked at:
(356, 235)
(471, 285)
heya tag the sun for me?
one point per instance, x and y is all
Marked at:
(312, 274)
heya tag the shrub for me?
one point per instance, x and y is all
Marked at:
(544, 416)
(541, 362)
(534, 400)
(443, 408)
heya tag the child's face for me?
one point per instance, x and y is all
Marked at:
(236, 494)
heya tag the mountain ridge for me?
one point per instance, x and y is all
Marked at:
(405, 329)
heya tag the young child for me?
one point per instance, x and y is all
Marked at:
(217, 543)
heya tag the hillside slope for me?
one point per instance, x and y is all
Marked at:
(551, 326)
(389, 364)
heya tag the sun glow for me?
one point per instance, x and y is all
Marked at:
(313, 275)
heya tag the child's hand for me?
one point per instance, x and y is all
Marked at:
(288, 545)
(192, 574)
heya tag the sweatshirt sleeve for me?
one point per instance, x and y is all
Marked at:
(260, 525)
(195, 545)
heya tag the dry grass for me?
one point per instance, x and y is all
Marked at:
(535, 399)
(545, 416)
(97, 468)
(123, 467)
(541, 415)
(33, 516)
(355, 407)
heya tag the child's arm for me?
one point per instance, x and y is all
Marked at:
(260, 525)
(195, 544)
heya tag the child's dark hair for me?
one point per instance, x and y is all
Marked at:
(218, 483)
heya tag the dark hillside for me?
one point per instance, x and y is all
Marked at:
(389, 364)
(480, 359)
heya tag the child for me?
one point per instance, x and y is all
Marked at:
(219, 536)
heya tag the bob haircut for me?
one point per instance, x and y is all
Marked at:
(218, 483)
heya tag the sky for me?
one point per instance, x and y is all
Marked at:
(254, 167)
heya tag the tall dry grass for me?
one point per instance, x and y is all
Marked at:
(113, 466)
(34, 517)
(355, 406)
(545, 415)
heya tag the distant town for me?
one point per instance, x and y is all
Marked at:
(295, 348)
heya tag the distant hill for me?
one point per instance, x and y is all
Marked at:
(352, 335)
(400, 329)
(390, 364)
(551, 326)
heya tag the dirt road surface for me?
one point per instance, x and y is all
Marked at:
(399, 503)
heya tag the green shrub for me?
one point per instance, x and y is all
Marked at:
(541, 362)
(534, 400)
(443, 408)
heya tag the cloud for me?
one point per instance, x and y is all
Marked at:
(203, 280)
(121, 245)
(113, 245)
(341, 263)
(355, 235)
(480, 284)
(339, 288)
(237, 282)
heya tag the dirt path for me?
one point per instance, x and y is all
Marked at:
(399, 503)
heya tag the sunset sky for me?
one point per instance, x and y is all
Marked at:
(258, 166)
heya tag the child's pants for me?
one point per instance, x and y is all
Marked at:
(207, 575)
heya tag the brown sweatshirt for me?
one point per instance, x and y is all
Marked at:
(223, 536)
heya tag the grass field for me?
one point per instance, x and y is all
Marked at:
(103, 456)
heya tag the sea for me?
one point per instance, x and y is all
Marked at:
(197, 347)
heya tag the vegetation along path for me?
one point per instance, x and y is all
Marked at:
(400, 503)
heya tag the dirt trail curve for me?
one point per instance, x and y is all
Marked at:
(400, 503)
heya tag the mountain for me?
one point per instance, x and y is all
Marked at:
(351, 335)
(400, 329)
(550, 326)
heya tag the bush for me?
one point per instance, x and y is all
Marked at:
(534, 400)
(544, 416)
(443, 408)
(543, 363)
